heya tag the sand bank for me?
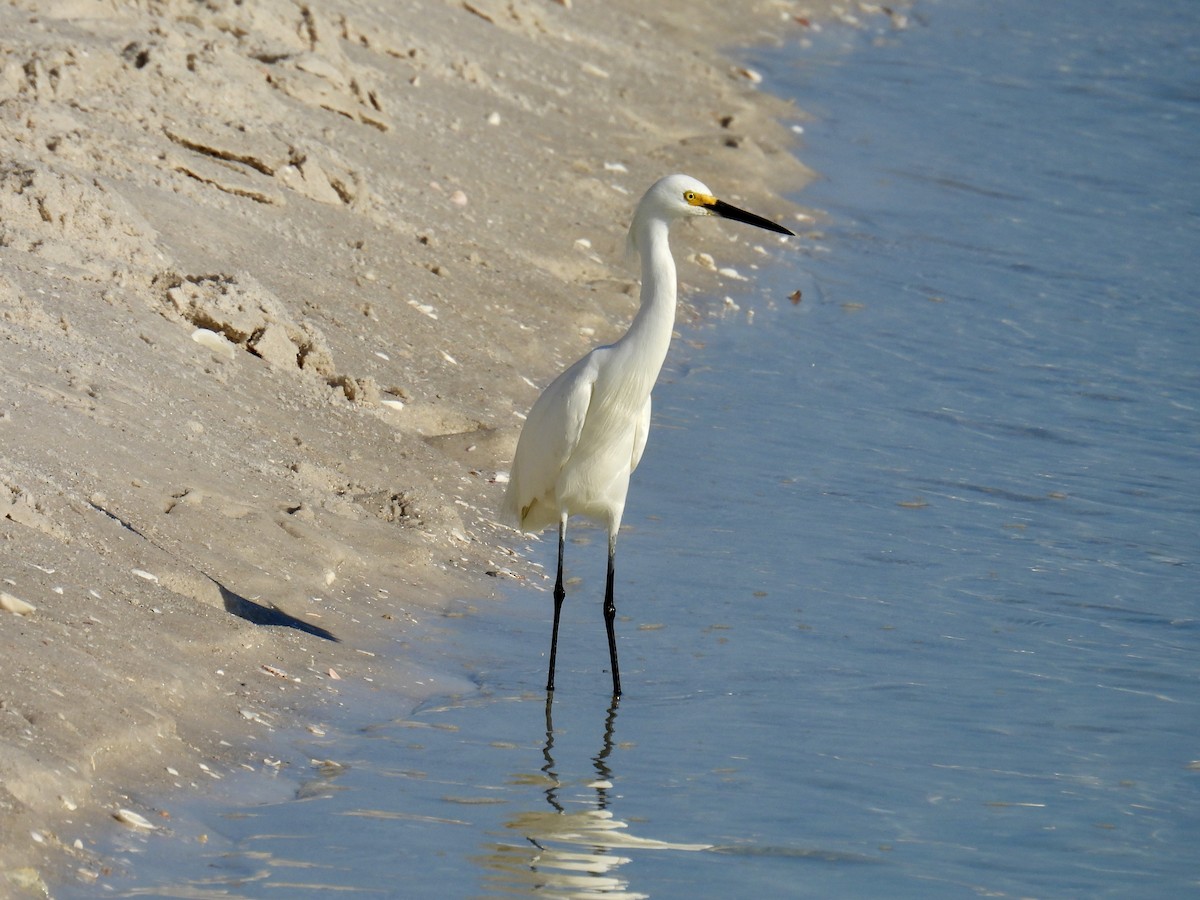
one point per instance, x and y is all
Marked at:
(276, 282)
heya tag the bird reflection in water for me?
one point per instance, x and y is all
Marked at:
(575, 848)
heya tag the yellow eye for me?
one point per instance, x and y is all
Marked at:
(689, 196)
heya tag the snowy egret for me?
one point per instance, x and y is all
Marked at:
(585, 434)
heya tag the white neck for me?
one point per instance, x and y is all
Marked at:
(650, 334)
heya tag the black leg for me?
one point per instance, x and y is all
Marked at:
(610, 615)
(559, 595)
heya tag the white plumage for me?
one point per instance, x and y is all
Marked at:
(585, 434)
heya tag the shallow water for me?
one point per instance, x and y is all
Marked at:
(908, 592)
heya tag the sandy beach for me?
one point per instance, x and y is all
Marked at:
(277, 283)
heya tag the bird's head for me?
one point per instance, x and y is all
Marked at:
(681, 196)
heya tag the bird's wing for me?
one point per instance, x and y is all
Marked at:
(641, 431)
(573, 399)
(548, 438)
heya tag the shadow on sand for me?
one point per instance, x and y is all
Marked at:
(258, 614)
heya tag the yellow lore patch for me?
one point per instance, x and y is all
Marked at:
(695, 198)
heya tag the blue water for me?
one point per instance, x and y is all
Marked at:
(908, 596)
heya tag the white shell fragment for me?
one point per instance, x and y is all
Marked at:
(15, 605)
(142, 573)
(749, 74)
(132, 819)
(214, 342)
(423, 308)
(253, 716)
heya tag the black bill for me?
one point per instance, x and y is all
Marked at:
(726, 211)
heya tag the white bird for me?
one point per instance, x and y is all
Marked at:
(585, 434)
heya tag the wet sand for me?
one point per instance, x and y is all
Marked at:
(277, 283)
